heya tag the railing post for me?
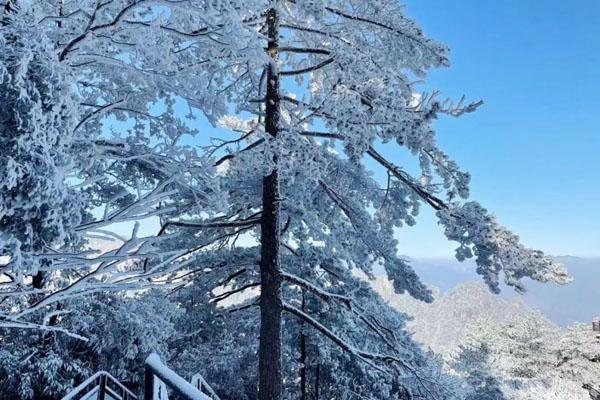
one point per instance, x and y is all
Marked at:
(102, 388)
(155, 369)
(148, 384)
(124, 394)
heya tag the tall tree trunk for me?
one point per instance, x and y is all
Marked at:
(317, 379)
(303, 355)
(270, 377)
(38, 280)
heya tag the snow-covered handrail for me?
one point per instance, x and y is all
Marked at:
(154, 367)
(100, 380)
(200, 383)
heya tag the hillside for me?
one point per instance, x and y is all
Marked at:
(564, 305)
(443, 323)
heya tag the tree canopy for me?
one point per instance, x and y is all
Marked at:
(310, 97)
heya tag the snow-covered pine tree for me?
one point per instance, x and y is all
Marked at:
(37, 120)
(528, 358)
(120, 331)
(578, 356)
(337, 83)
(58, 167)
(515, 357)
(474, 364)
(314, 89)
(38, 210)
(68, 175)
(218, 335)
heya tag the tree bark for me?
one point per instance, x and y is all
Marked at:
(270, 376)
(303, 355)
(38, 280)
(317, 379)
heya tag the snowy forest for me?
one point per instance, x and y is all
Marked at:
(212, 189)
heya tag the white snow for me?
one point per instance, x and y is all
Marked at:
(173, 380)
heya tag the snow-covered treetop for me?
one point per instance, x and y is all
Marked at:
(39, 111)
(349, 94)
(350, 70)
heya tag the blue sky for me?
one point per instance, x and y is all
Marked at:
(533, 148)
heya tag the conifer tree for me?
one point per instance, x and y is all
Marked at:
(316, 93)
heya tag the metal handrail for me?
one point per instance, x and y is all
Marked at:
(101, 384)
(155, 368)
(101, 381)
(200, 383)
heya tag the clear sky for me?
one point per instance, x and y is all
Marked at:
(533, 148)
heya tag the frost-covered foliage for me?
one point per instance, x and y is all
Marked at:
(502, 349)
(222, 342)
(340, 376)
(39, 111)
(525, 342)
(121, 332)
(71, 176)
(474, 364)
(578, 355)
(528, 358)
(343, 98)
(496, 249)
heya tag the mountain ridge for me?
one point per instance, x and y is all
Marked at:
(578, 301)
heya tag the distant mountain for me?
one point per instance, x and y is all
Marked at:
(103, 245)
(442, 324)
(578, 301)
